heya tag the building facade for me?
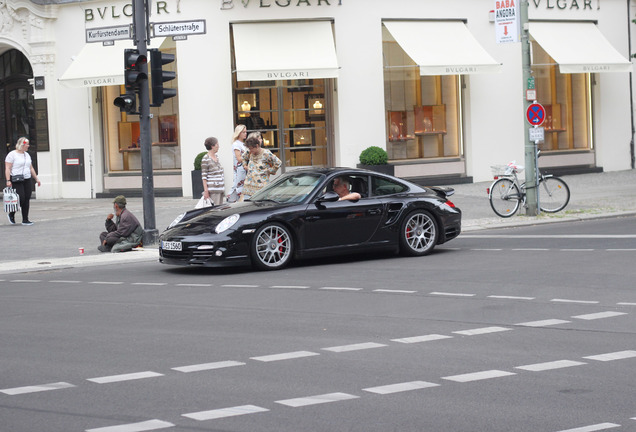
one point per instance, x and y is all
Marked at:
(322, 80)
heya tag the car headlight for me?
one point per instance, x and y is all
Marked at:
(177, 220)
(226, 223)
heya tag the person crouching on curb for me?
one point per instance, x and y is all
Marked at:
(122, 234)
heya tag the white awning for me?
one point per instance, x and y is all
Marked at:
(285, 50)
(98, 65)
(578, 47)
(442, 47)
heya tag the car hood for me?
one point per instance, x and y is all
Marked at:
(197, 222)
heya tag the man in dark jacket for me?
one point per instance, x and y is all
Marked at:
(122, 234)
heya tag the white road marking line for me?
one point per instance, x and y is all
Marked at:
(451, 294)
(599, 315)
(394, 291)
(557, 300)
(543, 323)
(207, 366)
(477, 376)
(576, 250)
(503, 297)
(150, 283)
(289, 286)
(620, 250)
(240, 286)
(354, 347)
(105, 283)
(36, 388)
(531, 249)
(425, 338)
(559, 364)
(341, 288)
(24, 280)
(285, 356)
(135, 427)
(626, 304)
(487, 249)
(194, 285)
(65, 281)
(225, 412)
(314, 400)
(402, 387)
(483, 330)
(124, 377)
(592, 428)
(619, 355)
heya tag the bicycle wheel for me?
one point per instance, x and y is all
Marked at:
(504, 197)
(554, 194)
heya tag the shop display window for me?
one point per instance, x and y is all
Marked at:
(122, 132)
(423, 112)
(567, 102)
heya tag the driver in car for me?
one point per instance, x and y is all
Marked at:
(341, 187)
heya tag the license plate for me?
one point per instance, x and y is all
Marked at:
(171, 245)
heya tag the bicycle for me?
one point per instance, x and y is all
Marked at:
(506, 194)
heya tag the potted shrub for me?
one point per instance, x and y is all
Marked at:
(376, 159)
(197, 185)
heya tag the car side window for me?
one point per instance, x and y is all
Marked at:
(381, 186)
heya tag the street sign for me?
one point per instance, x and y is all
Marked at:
(109, 34)
(530, 83)
(531, 95)
(535, 114)
(536, 134)
(178, 28)
(507, 21)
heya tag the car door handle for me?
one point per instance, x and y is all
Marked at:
(374, 212)
(312, 218)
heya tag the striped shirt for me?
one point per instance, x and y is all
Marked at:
(212, 173)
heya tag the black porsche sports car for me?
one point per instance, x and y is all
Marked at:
(299, 215)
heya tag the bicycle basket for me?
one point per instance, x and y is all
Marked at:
(505, 170)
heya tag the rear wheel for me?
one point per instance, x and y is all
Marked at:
(272, 247)
(418, 234)
(554, 194)
(504, 197)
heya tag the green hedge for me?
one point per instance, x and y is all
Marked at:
(197, 160)
(374, 156)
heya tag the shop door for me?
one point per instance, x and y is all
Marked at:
(17, 108)
(292, 115)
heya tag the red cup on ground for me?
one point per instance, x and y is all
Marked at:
(81, 251)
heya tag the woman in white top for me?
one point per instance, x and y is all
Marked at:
(19, 171)
(212, 173)
(238, 147)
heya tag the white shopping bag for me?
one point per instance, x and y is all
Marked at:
(11, 200)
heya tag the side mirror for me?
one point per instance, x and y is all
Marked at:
(328, 197)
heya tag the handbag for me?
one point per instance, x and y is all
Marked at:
(203, 203)
(17, 178)
(11, 200)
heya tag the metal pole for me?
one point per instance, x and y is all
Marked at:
(147, 183)
(530, 152)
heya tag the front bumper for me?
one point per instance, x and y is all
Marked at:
(206, 252)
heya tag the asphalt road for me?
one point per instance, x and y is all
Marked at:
(521, 329)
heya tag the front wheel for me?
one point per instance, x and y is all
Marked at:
(272, 247)
(554, 194)
(418, 234)
(504, 197)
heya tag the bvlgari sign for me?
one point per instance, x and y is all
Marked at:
(229, 4)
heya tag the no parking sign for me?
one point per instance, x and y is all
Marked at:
(535, 114)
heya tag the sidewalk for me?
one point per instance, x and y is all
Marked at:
(63, 226)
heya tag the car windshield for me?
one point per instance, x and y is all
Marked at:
(290, 188)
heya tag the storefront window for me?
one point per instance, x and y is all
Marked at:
(122, 131)
(567, 102)
(291, 116)
(423, 112)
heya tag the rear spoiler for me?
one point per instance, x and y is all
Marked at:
(442, 191)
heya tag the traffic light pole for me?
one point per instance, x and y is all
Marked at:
(147, 182)
(530, 147)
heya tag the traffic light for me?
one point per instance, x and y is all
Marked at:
(158, 76)
(133, 76)
(133, 79)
